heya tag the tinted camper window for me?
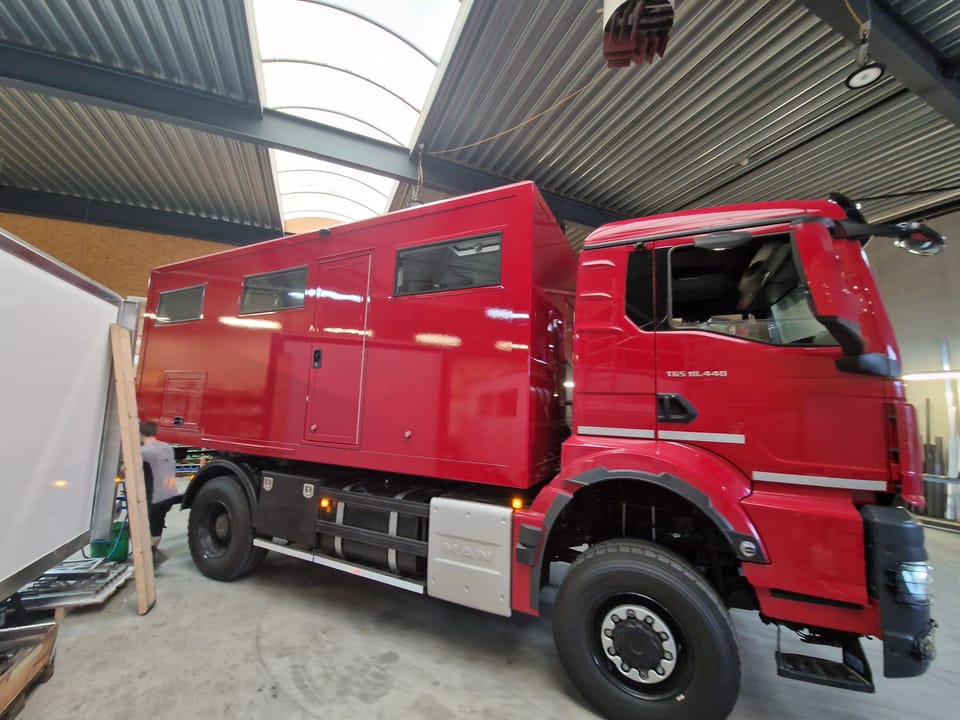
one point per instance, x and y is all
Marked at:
(452, 265)
(180, 305)
(282, 290)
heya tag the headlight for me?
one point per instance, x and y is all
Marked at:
(914, 582)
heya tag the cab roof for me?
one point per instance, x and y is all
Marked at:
(695, 220)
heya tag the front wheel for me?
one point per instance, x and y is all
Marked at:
(220, 531)
(643, 636)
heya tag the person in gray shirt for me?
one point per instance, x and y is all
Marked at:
(160, 474)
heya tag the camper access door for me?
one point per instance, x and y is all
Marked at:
(341, 290)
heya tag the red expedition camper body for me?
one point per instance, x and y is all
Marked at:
(463, 385)
(387, 399)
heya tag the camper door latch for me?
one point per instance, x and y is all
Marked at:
(317, 358)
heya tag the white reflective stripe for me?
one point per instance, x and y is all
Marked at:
(731, 438)
(363, 572)
(615, 432)
(820, 481)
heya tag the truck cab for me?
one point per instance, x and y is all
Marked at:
(737, 400)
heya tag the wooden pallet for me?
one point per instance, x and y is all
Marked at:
(26, 658)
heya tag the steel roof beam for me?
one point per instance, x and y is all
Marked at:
(64, 207)
(68, 79)
(898, 45)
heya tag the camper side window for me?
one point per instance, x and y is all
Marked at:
(266, 292)
(452, 265)
(180, 305)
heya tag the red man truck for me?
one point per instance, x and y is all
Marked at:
(388, 398)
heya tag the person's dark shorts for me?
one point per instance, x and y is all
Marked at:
(158, 515)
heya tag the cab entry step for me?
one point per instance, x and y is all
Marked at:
(825, 672)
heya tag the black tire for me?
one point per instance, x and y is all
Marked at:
(220, 531)
(257, 554)
(665, 605)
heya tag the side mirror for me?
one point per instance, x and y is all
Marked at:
(919, 239)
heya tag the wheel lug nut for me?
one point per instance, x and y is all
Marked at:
(664, 636)
(611, 651)
(608, 632)
(660, 670)
(648, 620)
(644, 675)
(625, 667)
(668, 656)
(615, 618)
(631, 613)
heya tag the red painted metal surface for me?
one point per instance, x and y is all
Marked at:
(814, 538)
(762, 410)
(465, 384)
(460, 384)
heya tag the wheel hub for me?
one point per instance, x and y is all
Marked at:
(221, 526)
(639, 643)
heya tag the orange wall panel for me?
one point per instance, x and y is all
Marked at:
(114, 257)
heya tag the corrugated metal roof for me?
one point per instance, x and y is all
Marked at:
(749, 104)
(937, 20)
(200, 44)
(64, 147)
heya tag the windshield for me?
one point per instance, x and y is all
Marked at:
(752, 291)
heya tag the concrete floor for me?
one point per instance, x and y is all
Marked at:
(296, 641)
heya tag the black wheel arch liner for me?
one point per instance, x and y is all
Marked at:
(218, 468)
(739, 542)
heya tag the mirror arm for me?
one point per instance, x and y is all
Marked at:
(915, 236)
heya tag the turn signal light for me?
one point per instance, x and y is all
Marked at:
(517, 503)
(325, 503)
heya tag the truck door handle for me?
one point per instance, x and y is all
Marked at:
(317, 358)
(673, 408)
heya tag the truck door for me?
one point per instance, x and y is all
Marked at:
(746, 370)
(336, 359)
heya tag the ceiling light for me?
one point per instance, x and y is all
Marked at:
(868, 71)
(865, 75)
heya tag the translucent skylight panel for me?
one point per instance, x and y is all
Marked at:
(332, 183)
(360, 126)
(305, 182)
(363, 66)
(323, 205)
(318, 34)
(311, 86)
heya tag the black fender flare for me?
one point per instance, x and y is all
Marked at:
(217, 468)
(746, 547)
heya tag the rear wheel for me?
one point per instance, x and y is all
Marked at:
(643, 637)
(220, 531)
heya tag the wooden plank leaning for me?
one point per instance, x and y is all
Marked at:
(137, 502)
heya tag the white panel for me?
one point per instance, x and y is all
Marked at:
(469, 553)
(820, 481)
(615, 432)
(54, 379)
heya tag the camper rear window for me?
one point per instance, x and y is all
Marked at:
(180, 305)
(452, 265)
(267, 292)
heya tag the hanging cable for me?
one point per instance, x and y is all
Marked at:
(529, 120)
(860, 23)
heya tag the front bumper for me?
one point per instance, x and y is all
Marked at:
(896, 559)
